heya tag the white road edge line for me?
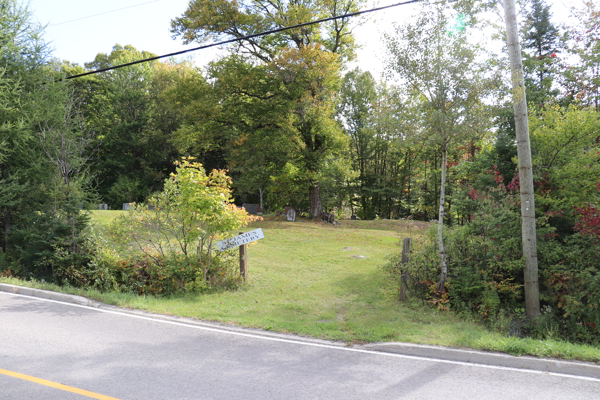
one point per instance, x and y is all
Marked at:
(299, 342)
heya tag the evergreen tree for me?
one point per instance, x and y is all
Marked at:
(22, 52)
(41, 162)
(541, 42)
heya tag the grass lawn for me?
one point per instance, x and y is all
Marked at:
(322, 281)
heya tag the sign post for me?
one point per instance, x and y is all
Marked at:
(241, 241)
(244, 261)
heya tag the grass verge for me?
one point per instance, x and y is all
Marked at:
(321, 281)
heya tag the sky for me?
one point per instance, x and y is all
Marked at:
(80, 29)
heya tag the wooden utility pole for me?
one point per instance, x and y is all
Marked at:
(528, 232)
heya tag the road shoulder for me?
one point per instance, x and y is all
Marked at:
(575, 368)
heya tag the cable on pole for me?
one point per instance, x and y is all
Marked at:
(243, 38)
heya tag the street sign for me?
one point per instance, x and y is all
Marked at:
(240, 240)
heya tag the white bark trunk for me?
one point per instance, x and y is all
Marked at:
(440, 230)
(261, 193)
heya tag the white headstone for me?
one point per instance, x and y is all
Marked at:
(291, 215)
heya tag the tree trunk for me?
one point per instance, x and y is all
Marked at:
(435, 188)
(208, 260)
(261, 193)
(7, 228)
(315, 200)
(528, 229)
(440, 230)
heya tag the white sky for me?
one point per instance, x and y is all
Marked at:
(80, 29)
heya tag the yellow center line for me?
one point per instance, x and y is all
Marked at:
(56, 385)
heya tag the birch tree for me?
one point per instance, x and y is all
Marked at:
(439, 72)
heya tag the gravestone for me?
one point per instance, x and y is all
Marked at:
(125, 206)
(150, 207)
(251, 208)
(291, 214)
(353, 217)
(103, 206)
(327, 217)
(277, 213)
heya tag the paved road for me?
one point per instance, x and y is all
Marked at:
(111, 354)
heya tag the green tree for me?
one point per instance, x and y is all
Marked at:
(446, 84)
(566, 162)
(42, 156)
(305, 60)
(581, 77)
(381, 151)
(541, 43)
(22, 55)
(356, 110)
(228, 121)
(134, 153)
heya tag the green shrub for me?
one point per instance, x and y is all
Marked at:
(421, 270)
(169, 248)
(571, 288)
(485, 269)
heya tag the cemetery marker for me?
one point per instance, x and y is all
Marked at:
(241, 241)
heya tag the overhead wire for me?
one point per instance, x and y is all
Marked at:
(97, 71)
(102, 13)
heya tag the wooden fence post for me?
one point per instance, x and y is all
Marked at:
(404, 280)
(244, 261)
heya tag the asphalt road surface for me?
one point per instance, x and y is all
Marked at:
(51, 350)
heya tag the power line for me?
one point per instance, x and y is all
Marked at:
(102, 13)
(243, 38)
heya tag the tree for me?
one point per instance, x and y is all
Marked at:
(581, 78)
(132, 127)
(565, 160)
(305, 61)
(66, 144)
(227, 121)
(41, 158)
(356, 110)
(446, 84)
(381, 152)
(540, 48)
(22, 54)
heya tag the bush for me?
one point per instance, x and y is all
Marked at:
(50, 242)
(485, 269)
(169, 248)
(422, 268)
(571, 288)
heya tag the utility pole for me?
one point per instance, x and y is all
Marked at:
(528, 231)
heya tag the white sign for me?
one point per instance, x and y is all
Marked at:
(240, 240)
